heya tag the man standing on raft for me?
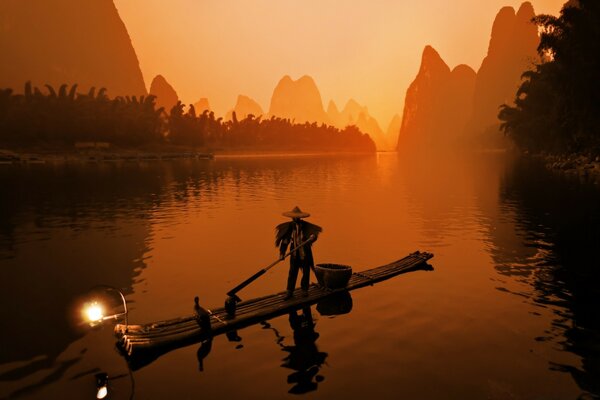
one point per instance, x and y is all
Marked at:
(292, 234)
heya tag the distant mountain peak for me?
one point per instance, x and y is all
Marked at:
(525, 12)
(443, 106)
(202, 105)
(298, 100)
(432, 61)
(245, 106)
(332, 107)
(511, 51)
(438, 101)
(306, 79)
(464, 69)
(352, 104)
(166, 96)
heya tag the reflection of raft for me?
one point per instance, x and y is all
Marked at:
(160, 337)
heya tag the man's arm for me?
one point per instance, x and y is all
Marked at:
(283, 248)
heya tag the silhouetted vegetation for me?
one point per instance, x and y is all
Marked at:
(187, 128)
(557, 107)
(64, 117)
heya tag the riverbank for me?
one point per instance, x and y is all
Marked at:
(583, 166)
(43, 156)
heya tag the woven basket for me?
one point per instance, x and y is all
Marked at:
(333, 276)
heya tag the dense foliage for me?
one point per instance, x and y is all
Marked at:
(251, 132)
(64, 117)
(557, 107)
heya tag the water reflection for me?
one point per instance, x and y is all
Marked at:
(203, 352)
(303, 357)
(166, 231)
(51, 220)
(54, 217)
(558, 221)
(337, 304)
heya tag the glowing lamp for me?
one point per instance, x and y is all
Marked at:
(94, 312)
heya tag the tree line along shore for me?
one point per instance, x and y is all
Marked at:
(65, 121)
(556, 110)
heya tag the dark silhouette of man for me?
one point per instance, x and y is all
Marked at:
(292, 234)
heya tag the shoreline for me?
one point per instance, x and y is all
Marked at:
(585, 167)
(43, 156)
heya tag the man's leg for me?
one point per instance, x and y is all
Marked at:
(305, 281)
(292, 276)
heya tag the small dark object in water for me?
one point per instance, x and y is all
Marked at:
(333, 276)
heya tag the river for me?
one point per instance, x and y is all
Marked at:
(510, 310)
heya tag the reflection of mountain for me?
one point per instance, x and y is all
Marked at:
(297, 100)
(562, 262)
(166, 96)
(67, 41)
(444, 106)
(245, 106)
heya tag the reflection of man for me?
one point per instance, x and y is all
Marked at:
(292, 234)
(304, 358)
(203, 351)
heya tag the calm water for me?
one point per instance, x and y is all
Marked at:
(510, 312)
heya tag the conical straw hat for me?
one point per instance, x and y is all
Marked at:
(296, 213)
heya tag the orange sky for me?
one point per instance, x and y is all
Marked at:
(367, 50)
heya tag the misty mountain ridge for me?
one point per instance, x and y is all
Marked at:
(244, 106)
(298, 100)
(202, 105)
(355, 114)
(444, 106)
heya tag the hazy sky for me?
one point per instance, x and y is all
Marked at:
(367, 50)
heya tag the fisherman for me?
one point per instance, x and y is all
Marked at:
(291, 234)
(202, 316)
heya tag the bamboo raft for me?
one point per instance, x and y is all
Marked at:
(157, 338)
